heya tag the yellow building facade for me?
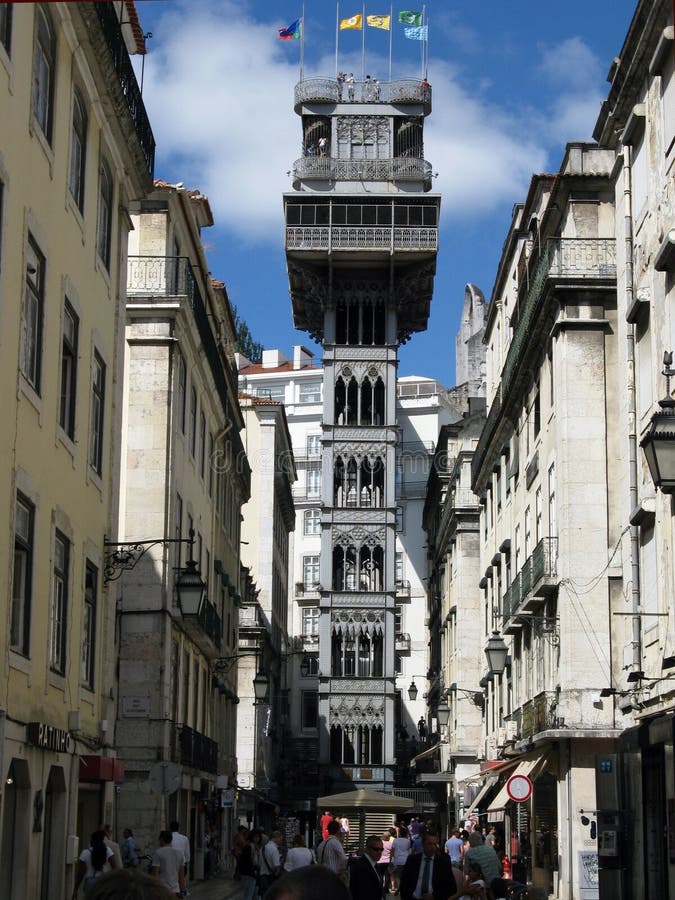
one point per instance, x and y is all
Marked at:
(75, 148)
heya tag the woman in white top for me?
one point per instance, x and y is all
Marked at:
(299, 855)
(400, 850)
(97, 859)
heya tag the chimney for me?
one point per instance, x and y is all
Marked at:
(272, 359)
(302, 357)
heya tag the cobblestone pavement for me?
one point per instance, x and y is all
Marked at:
(222, 887)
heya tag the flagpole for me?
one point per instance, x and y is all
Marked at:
(302, 43)
(337, 31)
(424, 15)
(426, 53)
(391, 32)
(363, 42)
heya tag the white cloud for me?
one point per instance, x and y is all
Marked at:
(219, 90)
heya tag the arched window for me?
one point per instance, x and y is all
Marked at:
(105, 208)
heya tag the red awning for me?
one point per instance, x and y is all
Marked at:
(101, 768)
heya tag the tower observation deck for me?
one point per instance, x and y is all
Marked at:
(361, 246)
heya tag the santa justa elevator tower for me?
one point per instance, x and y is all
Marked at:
(361, 245)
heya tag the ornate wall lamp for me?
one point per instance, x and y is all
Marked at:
(658, 443)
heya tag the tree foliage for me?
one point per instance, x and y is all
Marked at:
(243, 339)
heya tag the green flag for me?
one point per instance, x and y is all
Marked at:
(406, 17)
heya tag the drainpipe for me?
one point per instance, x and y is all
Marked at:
(570, 835)
(636, 639)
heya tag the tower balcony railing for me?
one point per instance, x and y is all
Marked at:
(330, 90)
(360, 237)
(399, 168)
(194, 749)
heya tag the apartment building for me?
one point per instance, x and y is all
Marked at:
(76, 150)
(636, 786)
(544, 471)
(184, 479)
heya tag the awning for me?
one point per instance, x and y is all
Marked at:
(490, 782)
(363, 799)
(424, 754)
(530, 767)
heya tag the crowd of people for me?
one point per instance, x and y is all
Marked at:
(167, 866)
(408, 860)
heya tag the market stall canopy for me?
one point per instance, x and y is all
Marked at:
(362, 799)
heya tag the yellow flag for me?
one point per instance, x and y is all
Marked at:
(353, 22)
(379, 21)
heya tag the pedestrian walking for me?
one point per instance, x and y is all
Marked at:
(168, 865)
(130, 850)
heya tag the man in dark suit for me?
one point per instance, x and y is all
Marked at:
(365, 882)
(428, 875)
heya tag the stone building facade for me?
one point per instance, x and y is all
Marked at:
(184, 475)
(76, 150)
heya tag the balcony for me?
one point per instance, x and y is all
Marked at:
(562, 259)
(205, 629)
(463, 498)
(402, 642)
(163, 276)
(328, 90)
(368, 238)
(403, 590)
(307, 590)
(539, 714)
(193, 749)
(537, 580)
(396, 169)
(131, 93)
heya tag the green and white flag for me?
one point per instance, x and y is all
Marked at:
(406, 17)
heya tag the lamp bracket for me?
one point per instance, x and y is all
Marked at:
(123, 556)
(544, 626)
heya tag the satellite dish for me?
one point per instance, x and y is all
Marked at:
(165, 778)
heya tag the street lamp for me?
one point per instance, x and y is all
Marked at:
(443, 713)
(260, 686)
(496, 652)
(412, 690)
(659, 440)
(190, 589)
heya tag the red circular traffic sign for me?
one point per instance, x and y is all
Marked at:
(519, 788)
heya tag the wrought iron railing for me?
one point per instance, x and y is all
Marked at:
(541, 564)
(512, 599)
(210, 623)
(539, 714)
(329, 90)
(195, 749)
(463, 498)
(112, 33)
(159, 275)
(400, 168)
(561, 257)
(545, 559)
(361, 237)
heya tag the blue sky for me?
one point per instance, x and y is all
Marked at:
(512, 83)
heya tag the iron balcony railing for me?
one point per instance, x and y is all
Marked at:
(360, 237)
(326, 168)
(112, 33)
(210, 623)
(463, 498)
(539, 714)
(541, 564)
(172, 276)
(329, 90)
(573, 258)
(191, 748)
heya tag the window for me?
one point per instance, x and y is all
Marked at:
(538, 515)
(89, 625)
(528, 533)
(181, 391)
(313, 445)
(193, 420)
(312, 663)
(69, 341)
(400, 519)
(398, 620)
(313, 481)
(272, 392)
(78, 150)
(22, 577)
(105, 207)
(43, 72)
(310, 572)
(6, 26)
(59, 605)
(398, 566)
(310, 709)
(97, 410)
(202, 443)
(552, 514)
(312, 521)
(179, 530)
(536, 414)
(310, 622)
(310, 392)
(210, 462)
(32, 316)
